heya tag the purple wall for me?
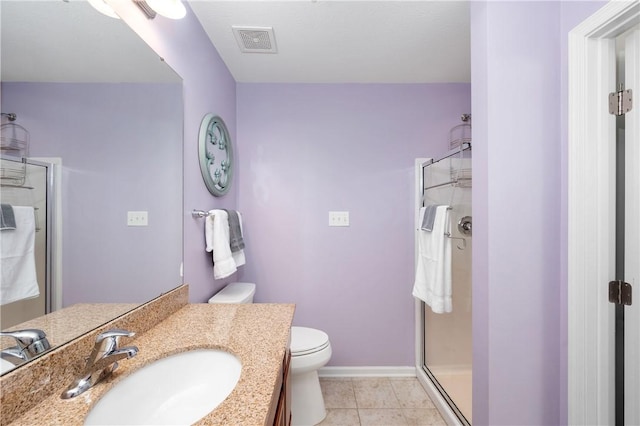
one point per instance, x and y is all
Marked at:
(306, 149)
(520, 150)
(480, 213)
(120, 146)
(208, 87)
(519, 276)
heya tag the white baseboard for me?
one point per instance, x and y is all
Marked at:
(400, 371)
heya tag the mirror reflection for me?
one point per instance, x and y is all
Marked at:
(91, 171)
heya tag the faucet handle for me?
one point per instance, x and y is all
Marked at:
(114, 333)
(107, 342)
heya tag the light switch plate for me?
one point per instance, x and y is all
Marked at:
(338, 218)
(139, 218)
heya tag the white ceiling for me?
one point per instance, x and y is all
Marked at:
(334, 41)
(60, 41)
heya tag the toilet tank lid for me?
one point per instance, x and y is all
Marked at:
(234, 293)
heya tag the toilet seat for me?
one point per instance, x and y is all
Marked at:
(306, 341)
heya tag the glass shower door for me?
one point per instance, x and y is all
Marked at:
(447, 336)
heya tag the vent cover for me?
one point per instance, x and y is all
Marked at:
(255, 39)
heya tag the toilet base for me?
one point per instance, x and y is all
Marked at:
(307, 404)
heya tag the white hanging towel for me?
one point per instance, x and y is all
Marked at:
(216, 232)
(17, 260)
(433, 271)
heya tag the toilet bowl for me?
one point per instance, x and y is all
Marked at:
(310, 350)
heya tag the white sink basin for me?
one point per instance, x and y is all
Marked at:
(179, 389)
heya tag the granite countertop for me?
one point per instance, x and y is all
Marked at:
(258, 334)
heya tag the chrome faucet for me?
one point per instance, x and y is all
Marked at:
(30, 342)
(102, 361)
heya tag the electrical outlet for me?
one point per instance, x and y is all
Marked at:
(139, 218)
(338, 218)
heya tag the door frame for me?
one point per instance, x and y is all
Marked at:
(591, 212)
(632, 227)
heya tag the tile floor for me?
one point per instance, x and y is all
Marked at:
(377, 401)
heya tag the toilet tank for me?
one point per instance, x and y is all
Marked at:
(235, 293)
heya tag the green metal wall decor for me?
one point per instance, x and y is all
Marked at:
(216, 155)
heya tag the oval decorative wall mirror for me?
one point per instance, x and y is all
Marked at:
(216, 155)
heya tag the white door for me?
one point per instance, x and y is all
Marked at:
(632, 229)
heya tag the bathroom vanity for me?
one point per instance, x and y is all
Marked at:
(257, 334)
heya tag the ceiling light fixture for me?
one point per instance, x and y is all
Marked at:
(172, 9)
(103, 8)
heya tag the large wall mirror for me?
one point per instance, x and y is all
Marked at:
(92, 94)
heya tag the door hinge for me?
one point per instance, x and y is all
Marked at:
(620, 292)
(620, 102)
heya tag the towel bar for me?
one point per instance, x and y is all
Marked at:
(464, 240)
(200, 213)
(448, 235)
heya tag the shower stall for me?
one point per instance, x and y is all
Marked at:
(29, 183)
(443, 340)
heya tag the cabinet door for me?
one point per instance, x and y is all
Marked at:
(283, 411)
(286, 387)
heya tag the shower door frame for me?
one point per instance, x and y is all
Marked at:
(54, 227)
(437, 394)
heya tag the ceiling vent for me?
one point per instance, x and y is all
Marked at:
(255, 39)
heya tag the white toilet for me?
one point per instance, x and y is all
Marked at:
(310, 350)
